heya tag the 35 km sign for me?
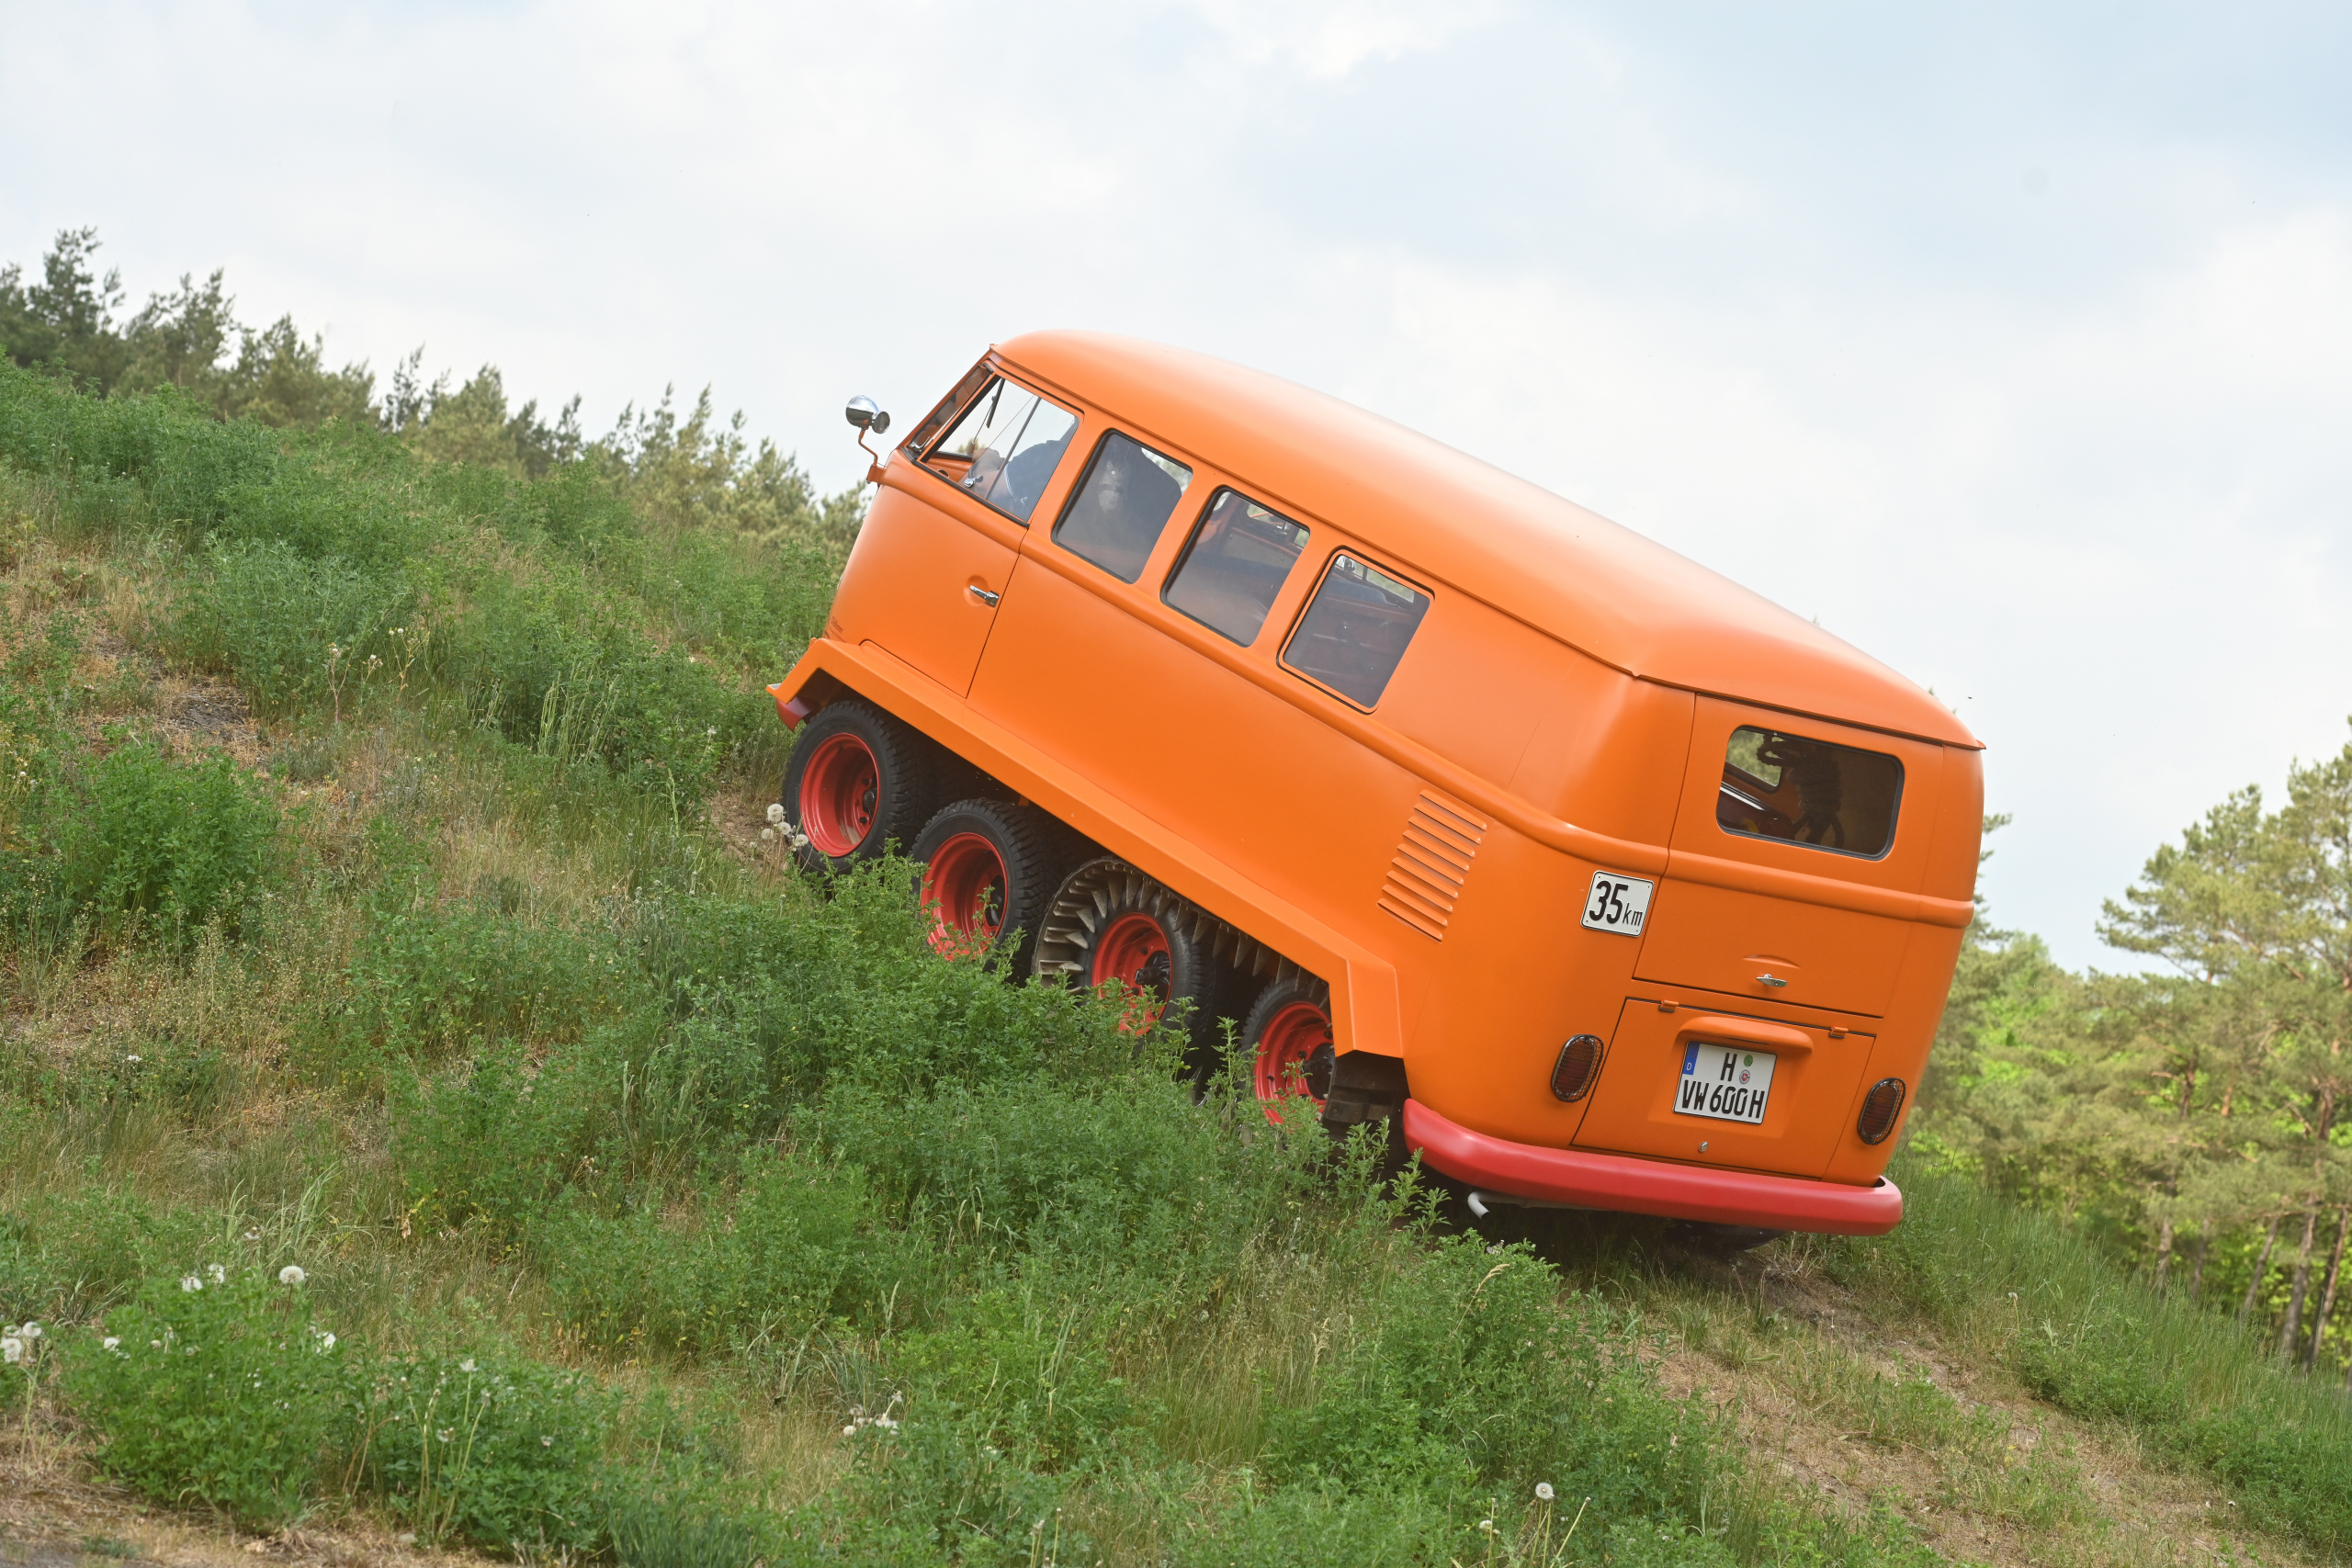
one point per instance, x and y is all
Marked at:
(1618, 904)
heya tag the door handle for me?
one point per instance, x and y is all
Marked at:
(983, 595)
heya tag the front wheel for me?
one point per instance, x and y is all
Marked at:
(858, 781)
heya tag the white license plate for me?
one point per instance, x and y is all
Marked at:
(1617, 903)
(1729, 1083)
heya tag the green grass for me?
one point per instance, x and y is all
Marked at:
(792, 1240)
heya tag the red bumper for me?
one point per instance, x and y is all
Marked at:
(1626, 1185)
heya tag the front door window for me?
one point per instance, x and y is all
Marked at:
(1005, 448)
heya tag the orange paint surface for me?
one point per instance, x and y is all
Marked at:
(1570, 701)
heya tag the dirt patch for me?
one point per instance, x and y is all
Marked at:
(2056, 1489)
(52, 1514)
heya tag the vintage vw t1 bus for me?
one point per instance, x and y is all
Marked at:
(1615, 884)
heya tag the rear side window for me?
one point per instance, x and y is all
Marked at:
(1355, 629)
(1129, 493)
(1808, 792)
(1234, 565)
(1005, 448)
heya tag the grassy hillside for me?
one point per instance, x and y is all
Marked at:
(428, 1108)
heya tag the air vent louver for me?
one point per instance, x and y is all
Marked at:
(1432, 859)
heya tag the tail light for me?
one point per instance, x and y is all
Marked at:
(1579, 1064)
(1880, 1108)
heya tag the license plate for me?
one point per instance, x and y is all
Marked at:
(1729, 1083)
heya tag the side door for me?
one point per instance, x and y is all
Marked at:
(940, 544)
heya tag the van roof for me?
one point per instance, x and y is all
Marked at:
(1443, 514)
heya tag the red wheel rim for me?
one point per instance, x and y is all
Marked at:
(964, 887)
(1134, 953)
(1295, 1033)
(840, 790)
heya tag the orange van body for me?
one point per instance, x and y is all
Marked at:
(1545, 857)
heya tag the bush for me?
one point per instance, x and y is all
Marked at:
(296, 632)
(432, 976)
(215, 1389)
(791, 1248)
(179, 843)
(491, 1448)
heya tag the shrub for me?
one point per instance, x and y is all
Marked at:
(1476, 1370)
(432, 976)
(180, 843)
(491, 1448)
(789, 1249)
(295, 632)
(217, 1389)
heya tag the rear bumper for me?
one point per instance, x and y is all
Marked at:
(1627, 1185)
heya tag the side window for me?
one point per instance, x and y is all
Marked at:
(1234, 565)
(1129, 493)
(1005, 448)
(1808, 792)
(1355, 629)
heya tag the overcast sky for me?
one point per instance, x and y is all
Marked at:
(2013, 344)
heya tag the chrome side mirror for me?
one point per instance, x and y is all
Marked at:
(866, 414)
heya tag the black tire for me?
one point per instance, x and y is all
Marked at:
(1104, 906)
(1009, 897)
(1299, 1007)
(832, 831)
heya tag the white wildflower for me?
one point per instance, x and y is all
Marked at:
(111, 1343)
(711, 734)
(220, 1274)
(191, 1283)
(131, 1058)
(12, 1350)
(154, 1344)
(291, 1275)
(775, 811)
(1543, 1491)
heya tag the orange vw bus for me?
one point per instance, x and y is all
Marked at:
(1616, 885)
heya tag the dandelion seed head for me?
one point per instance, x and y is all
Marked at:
(467, 1365)
(1543, 1491)
(12, 1350)
(31, 1330)
(767, 834)
(775, 811)
(546, 1442)
(220, 1274)
(191, 1283)
(111, 1343)
(291, 1275)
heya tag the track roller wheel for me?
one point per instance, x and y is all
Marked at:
(1288, 1036)
(989, 868)
(858, 780)
(1110, 924)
